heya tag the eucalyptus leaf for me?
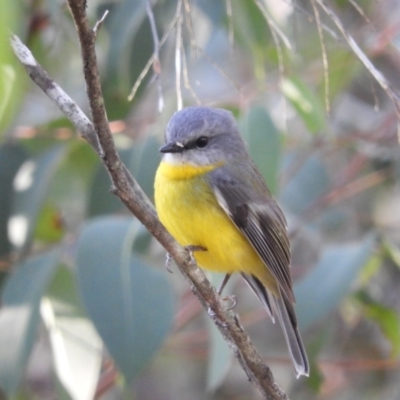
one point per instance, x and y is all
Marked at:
(19, 316)
(76, 349)
(386, 318)
(306, 186)
(308, 106)
(323, 289)
(264, 144)
(12, 156)
(101, 200)
(30, 187)
(75, 343)
(130, 303)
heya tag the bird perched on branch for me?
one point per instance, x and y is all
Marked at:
(210, 195)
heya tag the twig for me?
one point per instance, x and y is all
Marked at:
(126, 188)
(178, 61)
(360, 11)
(229, 14)
(100, 22)
(379, 77)
(219, 69)
(149, 63)
(156, 59)
(66, 105)
(324, 55)
(311, 18)
(189, 25)
(272, 24)
(281, 67)
(186, 80)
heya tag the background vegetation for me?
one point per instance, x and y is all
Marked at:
(88, 309)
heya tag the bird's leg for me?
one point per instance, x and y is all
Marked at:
(168, 259)
(192, 248)
(223, 283)
(227, 298)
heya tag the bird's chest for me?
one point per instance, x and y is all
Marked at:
(184, 207)
(189, 210)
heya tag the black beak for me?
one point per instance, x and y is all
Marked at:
(172, 148)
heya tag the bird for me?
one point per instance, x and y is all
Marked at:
(211, 197)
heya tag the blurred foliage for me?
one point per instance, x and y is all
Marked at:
(87, 308)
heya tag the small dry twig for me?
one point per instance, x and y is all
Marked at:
(156, 59)
(324, 55)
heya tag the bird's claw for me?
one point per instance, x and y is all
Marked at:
(168, 259)
(232, 299)
(192, 248)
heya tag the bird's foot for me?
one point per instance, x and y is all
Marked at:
(168, 259)
(231, 301)
(191, 249)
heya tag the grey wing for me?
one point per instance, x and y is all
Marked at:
(260, 219)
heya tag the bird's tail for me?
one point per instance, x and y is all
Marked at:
(283, 309)
(287, 319)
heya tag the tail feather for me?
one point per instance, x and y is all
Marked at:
(259, 290)
(285, 314)
(287, 318)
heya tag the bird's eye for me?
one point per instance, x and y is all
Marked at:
(201, 142)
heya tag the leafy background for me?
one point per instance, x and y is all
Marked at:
(88, 309)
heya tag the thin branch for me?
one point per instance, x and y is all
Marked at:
(189, 26)
(186, 80)
(379, 77)
(156, 59)
(273, 25)
(311, 18)
(281, 68)
(219, 69)
(126, 188)
(360, 11)
(149, 63)
(66, 105)
(178, 62)
(99, 23)
(324, 55)
(229, 14)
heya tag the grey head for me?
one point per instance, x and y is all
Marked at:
(202, 136)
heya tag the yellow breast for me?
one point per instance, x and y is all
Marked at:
(189, 210)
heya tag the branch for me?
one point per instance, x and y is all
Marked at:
(379, 77)
(129, 192)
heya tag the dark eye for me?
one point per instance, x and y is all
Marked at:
(202, 142)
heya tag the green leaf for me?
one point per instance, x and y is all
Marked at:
(130, 303)
(323, 289)
(19, 316)
(391, 250)
(307, 105)
(142, 160)
(306, 186)
(264, 144)
(10, 86)
(76, 346)
(385, 317)
(101, 200)
(30, 187)
(12, 157)
(49, 227)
